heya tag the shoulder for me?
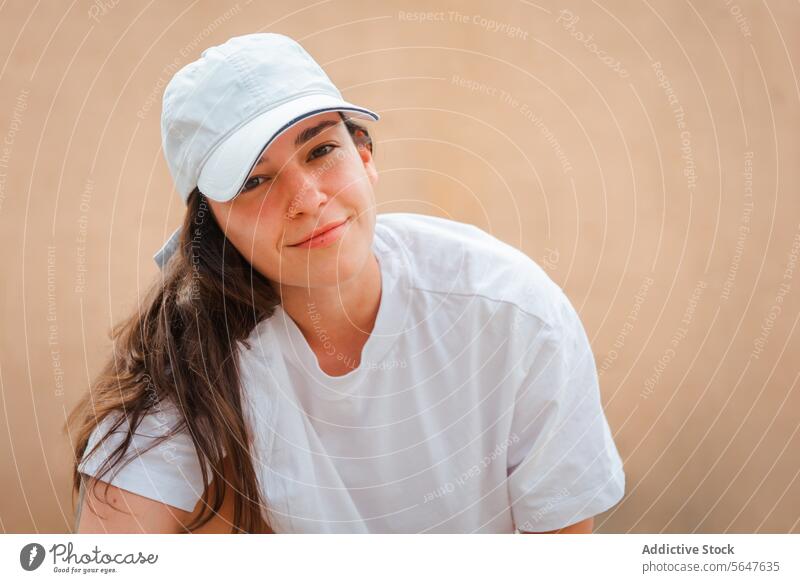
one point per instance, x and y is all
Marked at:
(162, 417)
(158, 433)
(459, 259)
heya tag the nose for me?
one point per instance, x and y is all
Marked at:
(304, 193)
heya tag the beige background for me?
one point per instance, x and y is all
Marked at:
(577, 162)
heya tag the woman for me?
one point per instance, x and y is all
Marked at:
(309, 365)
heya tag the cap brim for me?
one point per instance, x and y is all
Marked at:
(226, 170)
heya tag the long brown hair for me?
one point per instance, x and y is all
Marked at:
(207, 299)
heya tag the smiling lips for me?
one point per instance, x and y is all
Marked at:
(324, 236)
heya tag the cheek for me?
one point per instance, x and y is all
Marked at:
(253, 229)
(346, 173)
(350, 189)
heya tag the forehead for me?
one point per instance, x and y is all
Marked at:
(306, 129)
(326, 117)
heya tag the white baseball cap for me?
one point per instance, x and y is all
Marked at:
(223, 110)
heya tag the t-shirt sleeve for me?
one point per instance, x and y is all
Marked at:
(563, 466)
(168, 472)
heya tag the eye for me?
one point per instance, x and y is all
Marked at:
(250, 184)
(322, 150)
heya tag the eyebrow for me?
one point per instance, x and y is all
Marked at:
(304, 136)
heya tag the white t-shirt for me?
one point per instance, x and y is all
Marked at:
(475, 407)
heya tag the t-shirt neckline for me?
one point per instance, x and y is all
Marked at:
(388, 326)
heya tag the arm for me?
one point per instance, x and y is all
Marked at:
(582, 527)
(132, 513)
(564, 464)
(125, 512)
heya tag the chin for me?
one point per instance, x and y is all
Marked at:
(330, 267)
(337, 270)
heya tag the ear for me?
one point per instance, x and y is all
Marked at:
(365, 152)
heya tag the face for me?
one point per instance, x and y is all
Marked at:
(311, 176)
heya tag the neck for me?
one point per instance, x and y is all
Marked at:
(342, 315)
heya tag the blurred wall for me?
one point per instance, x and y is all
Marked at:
(645, 154)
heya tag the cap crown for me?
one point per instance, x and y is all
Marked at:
(229, 85)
